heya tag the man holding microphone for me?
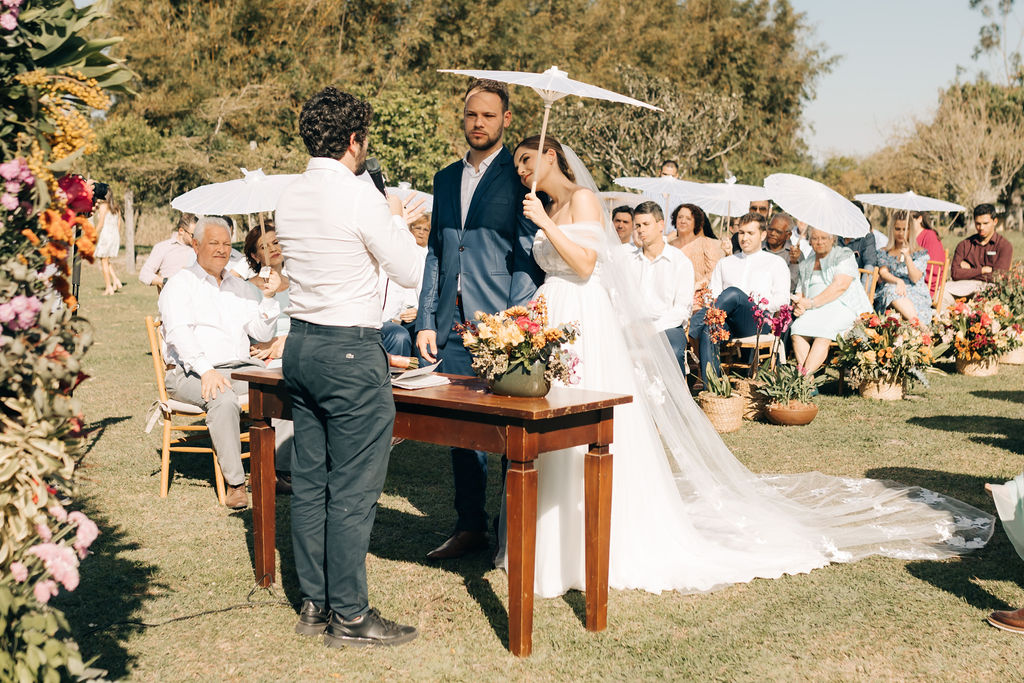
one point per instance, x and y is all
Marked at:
(335, 232)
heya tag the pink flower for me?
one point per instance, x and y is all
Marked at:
(8, 201)
(58, 512)
(10, 170)
(44, 532)
(13, 186)
(59, 561)
(19, 571)
(85, 535)
(9, 22)
(44, 590)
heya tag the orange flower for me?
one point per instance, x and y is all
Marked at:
(30, 236)
(86, 248)
(54, 226)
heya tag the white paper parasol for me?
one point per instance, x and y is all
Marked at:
(908, 201)
(253, 193)
(614, 199)
(726, 199)
(817, 205)
(405, 192)
(552, 85)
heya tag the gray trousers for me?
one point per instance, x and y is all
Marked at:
(222, 412)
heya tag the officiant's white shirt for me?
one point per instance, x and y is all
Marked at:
(337, 234)
(666, 285)
(762, 273)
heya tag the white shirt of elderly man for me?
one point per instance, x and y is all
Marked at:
(208, 318)
(665, 277)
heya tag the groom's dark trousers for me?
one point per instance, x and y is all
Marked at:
(343, 413)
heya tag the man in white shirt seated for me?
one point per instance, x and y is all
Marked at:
(749, 273)
(208, 317)
(666, 279)
(401, 304)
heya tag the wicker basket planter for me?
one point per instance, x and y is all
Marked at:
(754, 402)
(726, 414)
(881, 391)
(1015, 357)
(986, 367)
(792, 414)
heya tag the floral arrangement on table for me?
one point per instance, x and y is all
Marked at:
(888, 350)
(46, 109)
(978, 329)
(522, 336)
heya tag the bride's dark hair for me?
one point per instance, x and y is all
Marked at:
(533, 142)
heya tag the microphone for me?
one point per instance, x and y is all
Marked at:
(376, 175)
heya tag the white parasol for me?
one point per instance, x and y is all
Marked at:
(665, 189)
(908, 201)
(817, 205)
(405, 192)
(726, 199)
(552, 85)
(614, 199)
(255, 192)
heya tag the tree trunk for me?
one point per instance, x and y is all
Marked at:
(129, 229)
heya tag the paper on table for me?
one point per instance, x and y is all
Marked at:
(420, 378)
(398, 373)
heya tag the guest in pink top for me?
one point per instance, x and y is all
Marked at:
(696, 239)
(924, 235)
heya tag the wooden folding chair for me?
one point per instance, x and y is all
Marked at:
(872, 281)
(733, 349)
(167, 409)
(936, 273)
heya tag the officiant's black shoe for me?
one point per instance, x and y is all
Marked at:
(313, 619)
(460, 543)
(369, 630)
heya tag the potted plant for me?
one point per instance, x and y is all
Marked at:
(979, 330)
(882, 355)
(789, 390)
(718, 401)
(755, 400)
(518, 353)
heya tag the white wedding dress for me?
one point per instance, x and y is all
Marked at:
(686, 515)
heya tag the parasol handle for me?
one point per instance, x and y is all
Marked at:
(540, 147)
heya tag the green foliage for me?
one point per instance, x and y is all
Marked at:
(33, 641)
(787, 382)
(719, 385)
(406, 136)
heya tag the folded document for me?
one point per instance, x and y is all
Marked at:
(420, 378)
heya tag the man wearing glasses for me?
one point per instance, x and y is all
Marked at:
(171, 255)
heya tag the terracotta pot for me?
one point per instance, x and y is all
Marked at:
(521, 380)
(881, 391)
(753, 400)
(986, 367)
(1015, 357)
(793, 414)
(726, 414)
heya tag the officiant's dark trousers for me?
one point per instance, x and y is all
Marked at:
(344, 414)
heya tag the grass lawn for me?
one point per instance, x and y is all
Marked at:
(165, 596)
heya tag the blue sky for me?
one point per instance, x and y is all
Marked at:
(895, 57)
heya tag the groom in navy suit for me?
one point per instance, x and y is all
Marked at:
(478, 259)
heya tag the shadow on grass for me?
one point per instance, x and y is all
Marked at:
(113, 590)
(1011, 396)
(287, 579)
(96, 430)
(1000, 432)
(997, 561)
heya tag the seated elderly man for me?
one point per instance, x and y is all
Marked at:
(776, 241)
(666, 279)
(208, 318)
(979, 258)
(171, 255)
(828, 301)
(750, 273)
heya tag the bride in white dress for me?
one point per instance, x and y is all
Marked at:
(686, 515)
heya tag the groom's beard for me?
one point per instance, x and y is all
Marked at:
(486, 143)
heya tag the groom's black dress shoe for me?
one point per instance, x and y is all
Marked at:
(312, 619)
(369, 630)
(460, 543)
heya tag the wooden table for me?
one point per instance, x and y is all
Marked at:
(466, 415)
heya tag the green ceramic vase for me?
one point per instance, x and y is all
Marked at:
(522, 380)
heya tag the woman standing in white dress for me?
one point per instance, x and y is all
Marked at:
(107, 220)
(686, 515)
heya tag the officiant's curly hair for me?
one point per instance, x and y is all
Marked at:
(328, 120)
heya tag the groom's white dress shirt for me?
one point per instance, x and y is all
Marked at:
(207, 324)
(762, 273)
(337, 233)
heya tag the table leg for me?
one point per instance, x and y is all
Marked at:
(597, 474)
(262, 479)
(521, 523)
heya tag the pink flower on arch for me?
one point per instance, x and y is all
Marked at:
(19, 572)
(60, 562)
(44, 590)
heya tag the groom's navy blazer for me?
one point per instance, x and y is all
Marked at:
(492, 251)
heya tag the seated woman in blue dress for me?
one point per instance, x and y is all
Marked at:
(829, 298)
(901, 271)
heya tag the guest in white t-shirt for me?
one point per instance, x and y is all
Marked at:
(666, 278)
(750, 273)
